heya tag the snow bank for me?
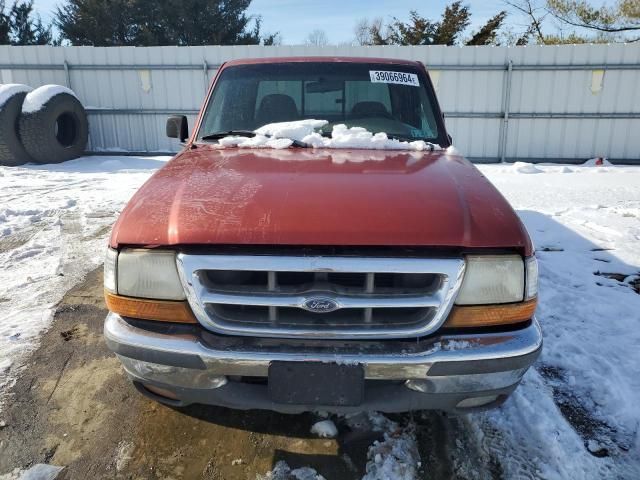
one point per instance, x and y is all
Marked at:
(9, 89)
(36, 99)
(524, 167)
(39, 471)
(597, 162)
(54, 222)
(584, 389)
(282, 134)
(594, 165)
(397, 456)
(324, 429)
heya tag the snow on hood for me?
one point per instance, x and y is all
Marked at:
(284, 134)
(36, 99)
(259, 141)
(9, 89)
(297, 130)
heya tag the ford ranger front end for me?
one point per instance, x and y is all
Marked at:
(322, 277)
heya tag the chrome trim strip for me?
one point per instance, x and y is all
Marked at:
(343, 301)
(267, 263)
(451, 269)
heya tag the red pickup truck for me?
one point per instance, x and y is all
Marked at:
(319, 245)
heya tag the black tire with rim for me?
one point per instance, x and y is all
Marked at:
(57, 132)
(12, 152)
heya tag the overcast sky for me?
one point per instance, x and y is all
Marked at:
(294, 19)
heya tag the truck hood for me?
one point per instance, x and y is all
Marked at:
(296, 196)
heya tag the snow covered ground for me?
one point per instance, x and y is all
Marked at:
(54, 222)
(576, 414)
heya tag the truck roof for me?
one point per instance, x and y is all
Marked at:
(327, 59)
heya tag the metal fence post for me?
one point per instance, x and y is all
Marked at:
(67, 75)
(506, 102)
(205, 69)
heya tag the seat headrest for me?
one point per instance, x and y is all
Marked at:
(276, 107)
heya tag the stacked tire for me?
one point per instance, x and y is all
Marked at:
(45, 125)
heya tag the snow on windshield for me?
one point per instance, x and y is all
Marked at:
(284, 134)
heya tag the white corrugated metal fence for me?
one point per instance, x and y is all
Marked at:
(535, 103)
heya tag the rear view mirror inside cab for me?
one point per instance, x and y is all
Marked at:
(323, 86)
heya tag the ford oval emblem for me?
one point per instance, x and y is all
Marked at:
(320, 305)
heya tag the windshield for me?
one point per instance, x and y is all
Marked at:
(386, 98)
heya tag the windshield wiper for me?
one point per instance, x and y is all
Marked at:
(403, 138)
(229, 133)
(248, 134)
(407, 138)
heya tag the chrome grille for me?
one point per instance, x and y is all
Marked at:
(320, 297)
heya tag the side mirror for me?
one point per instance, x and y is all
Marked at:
(178, 127)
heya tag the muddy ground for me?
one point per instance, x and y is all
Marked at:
(73, 406)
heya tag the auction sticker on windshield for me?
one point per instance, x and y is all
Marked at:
(401, 78)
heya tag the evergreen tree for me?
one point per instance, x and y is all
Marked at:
(418, 31)
(161, 22)
(5, 25)
(454, 21)
(210, 22)
(19, 26)
(97, 22)
(489, 31)
(24, 29)
(423, 31)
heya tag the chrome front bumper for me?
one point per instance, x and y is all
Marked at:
(437, 372)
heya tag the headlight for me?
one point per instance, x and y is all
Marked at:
(532, 278)
(492, 279)
(148, 274)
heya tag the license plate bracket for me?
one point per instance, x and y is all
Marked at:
(316, 383)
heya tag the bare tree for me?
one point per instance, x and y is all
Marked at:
(619, 18)
(372, 32)
(317, 38)
(535, 14)
(272, 39)
(571, 20)
(362, 31)
(419, 30)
